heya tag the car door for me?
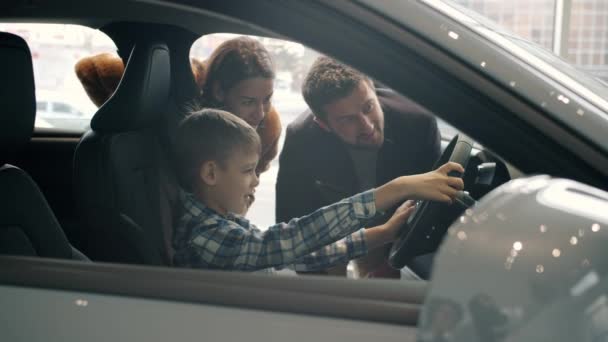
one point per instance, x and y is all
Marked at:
(395, 51)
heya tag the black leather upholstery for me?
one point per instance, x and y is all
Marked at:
(142, 94)
(18, 109)
(120, 166)
(27, 223)
(28, 226)
(182, 92)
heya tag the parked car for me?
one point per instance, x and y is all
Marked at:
(507, 268)
(60, 114)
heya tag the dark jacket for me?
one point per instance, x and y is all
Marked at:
(315, 169)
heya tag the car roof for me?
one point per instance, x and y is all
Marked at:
(98, 14)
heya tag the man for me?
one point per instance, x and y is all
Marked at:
(354, 138)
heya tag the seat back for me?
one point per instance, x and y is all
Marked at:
(120, 167)
(27, 223)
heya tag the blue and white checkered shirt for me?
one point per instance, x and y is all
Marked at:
(329, 236)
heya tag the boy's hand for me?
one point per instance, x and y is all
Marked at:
(437, 185)
(385, 233)
(400, 216)
(434, 186)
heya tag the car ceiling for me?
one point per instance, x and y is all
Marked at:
(97, 14)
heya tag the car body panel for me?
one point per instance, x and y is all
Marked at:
(96, 317)
(130, 296)
(536, 249)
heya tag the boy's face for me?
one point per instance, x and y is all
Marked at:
(236, 182)
(356, 119)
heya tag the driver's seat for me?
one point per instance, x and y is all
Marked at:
(118, 164)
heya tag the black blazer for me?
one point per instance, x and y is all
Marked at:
(315, 168)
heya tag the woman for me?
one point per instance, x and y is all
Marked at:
(237, 77)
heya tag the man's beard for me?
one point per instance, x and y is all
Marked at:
(362, 145)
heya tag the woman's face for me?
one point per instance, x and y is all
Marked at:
(249, 99)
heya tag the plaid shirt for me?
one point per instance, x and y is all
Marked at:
(205, 239)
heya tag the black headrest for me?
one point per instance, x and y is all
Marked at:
(17, 94)
(141, 97)
(184, 90)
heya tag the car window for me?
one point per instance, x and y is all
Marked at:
(62, 103)
(64, 108)
(567, 34)
(292, 62)
(41, 106)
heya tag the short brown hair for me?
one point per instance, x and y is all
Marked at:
(327, 81)
(235, 60)
(210, 135)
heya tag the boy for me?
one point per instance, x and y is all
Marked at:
(217, 154)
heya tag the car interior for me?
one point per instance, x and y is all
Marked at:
(70, 196)
(123, 184)
(29, 226)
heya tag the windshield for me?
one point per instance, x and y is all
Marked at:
(493, 27)
(586, 57)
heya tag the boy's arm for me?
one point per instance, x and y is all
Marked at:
(340, 252)
(435, 185)
(356, 245)
(226, 245)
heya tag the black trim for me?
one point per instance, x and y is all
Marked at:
(56, 133)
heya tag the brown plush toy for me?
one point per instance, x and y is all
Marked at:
(100, 75)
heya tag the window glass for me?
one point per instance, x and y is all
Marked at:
(55, 51)
(584, 24)
(64, 108)
(531, 21)
(588, 37)
(41, 106)
(292, 61)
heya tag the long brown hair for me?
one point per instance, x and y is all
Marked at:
(233, 61)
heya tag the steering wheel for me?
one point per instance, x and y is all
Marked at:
(425, 228)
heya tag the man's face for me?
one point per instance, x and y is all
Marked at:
(237, 181)
(356, 119)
